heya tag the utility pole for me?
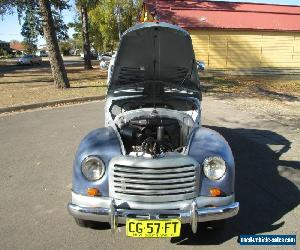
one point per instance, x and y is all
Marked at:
(118, 14)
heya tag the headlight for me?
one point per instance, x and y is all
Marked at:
(93, 168)
(214, 167)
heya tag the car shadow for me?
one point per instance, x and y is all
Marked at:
(99, 226)
(102, 226)
(265, 196)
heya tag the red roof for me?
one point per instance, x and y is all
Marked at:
(193, 14)
(17, 46)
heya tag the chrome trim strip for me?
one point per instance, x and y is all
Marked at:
(202, 201)
(191, 216)
(94, 214)
(113, 218)
(194, 215)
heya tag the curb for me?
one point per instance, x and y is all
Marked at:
(50, 103)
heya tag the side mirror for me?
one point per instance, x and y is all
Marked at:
(200, 65)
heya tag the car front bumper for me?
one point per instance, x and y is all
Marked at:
(111, 210)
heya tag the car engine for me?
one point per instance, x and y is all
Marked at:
(153, 135)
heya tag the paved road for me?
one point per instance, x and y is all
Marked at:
(68, 60)
(36, 154)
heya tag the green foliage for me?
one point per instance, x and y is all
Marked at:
(104, 30)
(77, 36)
(60, 27)
(30, 48)
(29, 29)
(129, 12)
(66, 47)
(29, 12)
(104, 25)
(3, 52)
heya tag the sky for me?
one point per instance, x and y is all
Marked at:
(10, 28)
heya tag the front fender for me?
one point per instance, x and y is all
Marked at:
(204, 143)
(102, 142)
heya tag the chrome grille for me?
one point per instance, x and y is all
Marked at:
(154, 180)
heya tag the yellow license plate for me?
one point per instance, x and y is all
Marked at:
(153, 228)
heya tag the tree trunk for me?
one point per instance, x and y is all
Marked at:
(86, 38)
(57, 66)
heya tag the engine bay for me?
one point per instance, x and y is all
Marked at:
(151, 135)
(156, 125)
(154, 135)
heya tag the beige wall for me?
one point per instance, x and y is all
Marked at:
(246, 49)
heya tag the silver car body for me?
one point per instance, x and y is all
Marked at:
(29, 60)
(104, 60)
(111, 67)
(154, 79)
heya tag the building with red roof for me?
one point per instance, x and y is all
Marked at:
(235, 35)
(17, 46)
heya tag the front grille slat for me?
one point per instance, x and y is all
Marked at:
(154, 176)
(154, 192)
(151, 170)
(154, 180)
(125, 185)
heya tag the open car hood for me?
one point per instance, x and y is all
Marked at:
(155, 52)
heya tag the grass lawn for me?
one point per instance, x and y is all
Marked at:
(282, 88)
(35, 85)
(27, 85)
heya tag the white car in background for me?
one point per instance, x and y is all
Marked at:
(111, 67)
(107, 63)
(104, 60)
(29, 60)
(42, 53)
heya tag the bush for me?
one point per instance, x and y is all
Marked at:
(3, 52)
(65, 48)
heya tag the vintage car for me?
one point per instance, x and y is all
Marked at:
(153, 166)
